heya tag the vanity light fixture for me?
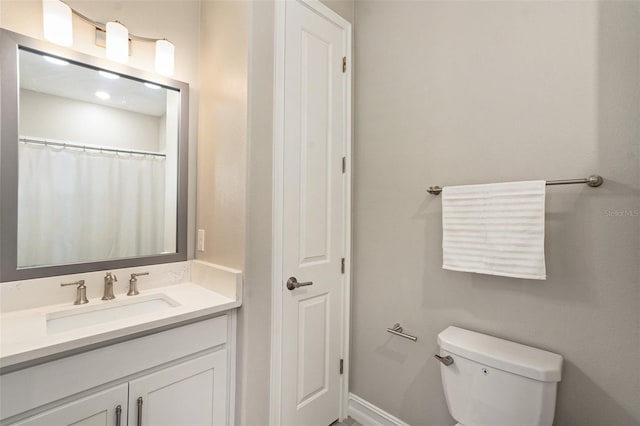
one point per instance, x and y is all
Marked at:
(103, 95)
(55, 61)
(117, 42)
(164, 57)
(56, 22)
(57, 29)
(109, 75)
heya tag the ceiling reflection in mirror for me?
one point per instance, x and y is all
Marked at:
(98, 164)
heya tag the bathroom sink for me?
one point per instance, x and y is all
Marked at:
(79, 317)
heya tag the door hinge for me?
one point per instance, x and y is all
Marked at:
(341, 366)
(344, 64)
(342, 266)
(344, 164)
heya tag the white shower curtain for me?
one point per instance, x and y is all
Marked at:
(78, 206)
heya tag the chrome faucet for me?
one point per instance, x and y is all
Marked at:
(108, 286)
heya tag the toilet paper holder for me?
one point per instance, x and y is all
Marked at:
(397, 330)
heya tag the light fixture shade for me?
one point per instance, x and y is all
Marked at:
(165, 57)
(117, 42)
(56, 22)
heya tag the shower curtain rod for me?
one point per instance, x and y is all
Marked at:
(85, 147)
(593, 181)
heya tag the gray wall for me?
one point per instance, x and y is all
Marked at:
(473, 92)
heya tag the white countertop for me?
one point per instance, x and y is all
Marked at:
(24, 335)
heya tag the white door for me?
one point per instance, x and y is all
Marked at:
(314, 212)
(193, 393)
(103, 408)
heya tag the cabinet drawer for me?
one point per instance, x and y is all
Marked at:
(32, 387)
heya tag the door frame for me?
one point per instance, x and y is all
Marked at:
(277, 278)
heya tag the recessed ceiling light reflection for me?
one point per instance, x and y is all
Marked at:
(55, 61)
(103, 95)
(152, 86)
(109, 75)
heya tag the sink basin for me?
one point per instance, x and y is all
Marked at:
(85, 316)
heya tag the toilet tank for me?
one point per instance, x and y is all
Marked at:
(496, 382)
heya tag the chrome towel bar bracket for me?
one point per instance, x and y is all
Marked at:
(593, 181)
(397, 330)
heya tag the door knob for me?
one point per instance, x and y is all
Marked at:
(292, 283)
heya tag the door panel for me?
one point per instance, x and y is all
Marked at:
(313, 215)
(313, 362)
(191, 393)
(315, 149)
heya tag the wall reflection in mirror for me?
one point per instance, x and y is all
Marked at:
(98, 164)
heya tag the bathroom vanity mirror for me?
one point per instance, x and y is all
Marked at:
(93, 163)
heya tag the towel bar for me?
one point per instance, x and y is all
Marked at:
(397, 330)
(593, 181)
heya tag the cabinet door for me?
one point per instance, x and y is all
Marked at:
(193, 393)
(99, 409)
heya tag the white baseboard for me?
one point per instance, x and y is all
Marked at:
(369, 415)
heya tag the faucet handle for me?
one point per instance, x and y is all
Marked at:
(81, 292)
(79, 283)
(133, 283)
(138, 274)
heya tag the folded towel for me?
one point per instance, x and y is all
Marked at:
(495, 229)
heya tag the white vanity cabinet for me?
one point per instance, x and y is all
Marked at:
(179, 376)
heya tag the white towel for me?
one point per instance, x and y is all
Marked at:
(495, 229)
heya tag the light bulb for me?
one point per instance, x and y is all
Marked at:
(56, 22)
(164, 57)
(117, 42)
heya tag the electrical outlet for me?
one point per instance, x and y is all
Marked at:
(200, 239)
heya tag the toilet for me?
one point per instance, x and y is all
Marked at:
(489, 381)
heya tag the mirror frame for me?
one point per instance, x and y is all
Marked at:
(10, 43)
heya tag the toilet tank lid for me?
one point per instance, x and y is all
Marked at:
(503, 354)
